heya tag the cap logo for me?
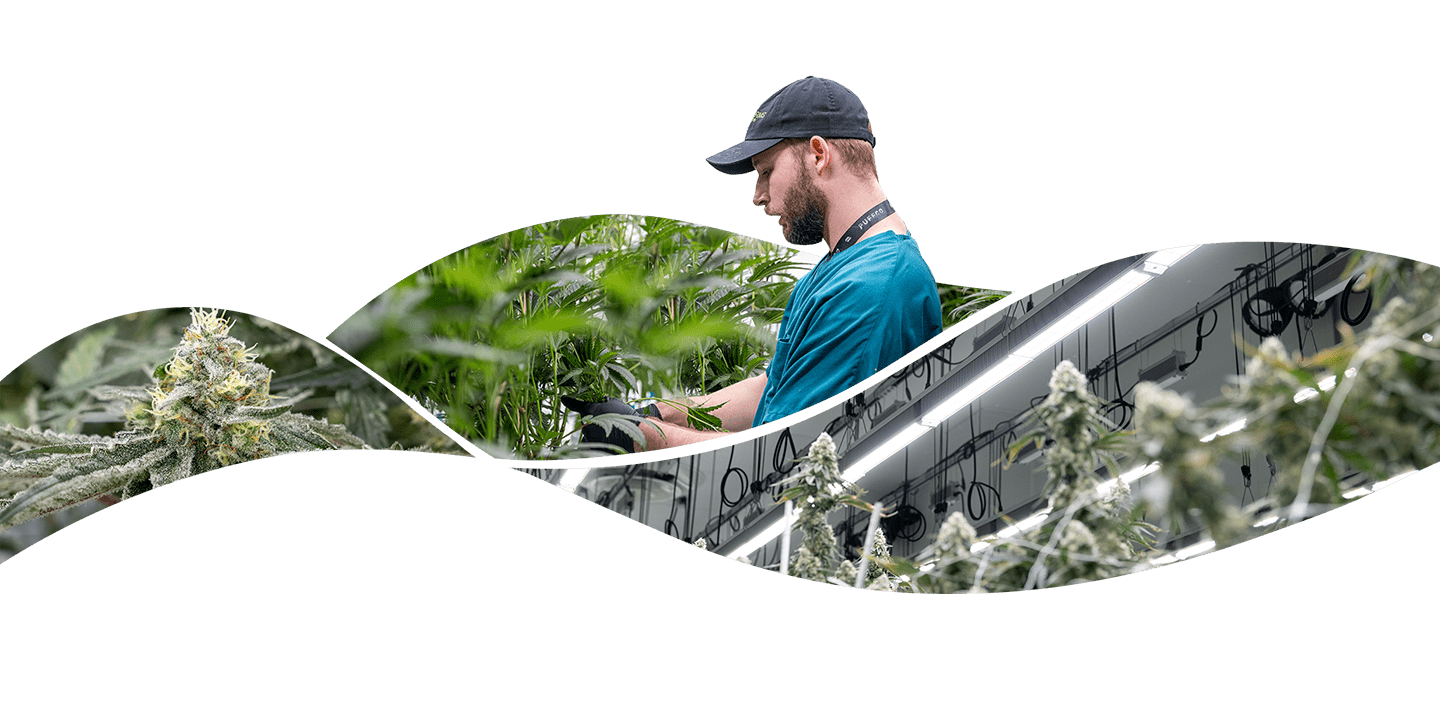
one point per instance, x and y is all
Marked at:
(758, 114)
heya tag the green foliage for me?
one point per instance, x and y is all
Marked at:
(958, 302)
(592, 307)
(1370, 405)
(210, 406)
(622, 306)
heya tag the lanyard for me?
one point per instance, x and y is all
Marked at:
(852, 236)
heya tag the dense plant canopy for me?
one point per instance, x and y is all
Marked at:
(631, 307)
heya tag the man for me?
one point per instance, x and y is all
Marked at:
(869, 301)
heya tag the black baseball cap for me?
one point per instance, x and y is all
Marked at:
(802, 109)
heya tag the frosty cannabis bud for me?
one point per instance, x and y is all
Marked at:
(211, 406)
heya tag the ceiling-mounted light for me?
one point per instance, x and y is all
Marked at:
(1233, 427)
(1129, 476)
(570, 479)
(1326, 384)
(764, 536)
(1199, 548)
(1028, 523)
(1162, 260)
(1083, 313)
(1032, 348)
(899, 440)
(973, 389)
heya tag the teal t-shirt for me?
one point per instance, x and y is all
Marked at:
(854, 313)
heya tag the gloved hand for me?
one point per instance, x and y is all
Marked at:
(594, 433)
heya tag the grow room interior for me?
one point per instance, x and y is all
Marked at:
(931, 437)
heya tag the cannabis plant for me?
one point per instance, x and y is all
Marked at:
(958, 302)
(1088, 533)
(606, 306)
(490, 338)
(210, 406)
(1369, 407)
(1087, 530)
(817, 488)
(1366, 409)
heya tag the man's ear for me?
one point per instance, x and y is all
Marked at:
(821, 154)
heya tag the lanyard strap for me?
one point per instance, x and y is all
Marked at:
(852, 236)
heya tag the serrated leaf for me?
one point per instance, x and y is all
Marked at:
(59, 491)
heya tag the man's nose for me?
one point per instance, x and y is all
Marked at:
(759, 198)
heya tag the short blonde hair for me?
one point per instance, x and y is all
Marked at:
(858, 155)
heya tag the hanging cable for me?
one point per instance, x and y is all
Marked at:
(741, 477)
(1245, 472)
(1200, 336)
(783, 459)
(1353, 320)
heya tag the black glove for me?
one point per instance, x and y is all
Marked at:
(593, 433)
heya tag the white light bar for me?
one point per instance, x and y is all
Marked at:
(1383, 483)
(1040, 343)
(570, 479)
(1031, 522)
(1162, 260)
(974, 389)
(1129, 476)
(1199, 548)
(907, 435)
(1083, 313)
(1326, 384)
(765, 536)
(1233, 427)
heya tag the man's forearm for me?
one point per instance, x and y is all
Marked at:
(660, 435)
(737, 412)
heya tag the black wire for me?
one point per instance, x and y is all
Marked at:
(1240, 331)
(730, 469)
(1270, 460)
(1345, 315)
(787, 464)
(1245, 472)
(1200, 336)
(1114, 347)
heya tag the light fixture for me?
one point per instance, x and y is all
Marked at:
(1028, 523)
(1041, 342)
(1383, 483)
(1233, 427)
(1199, 548)
(570, 479)
(1326, 384)
(974, 389)
(764, 536)
(1161, 260)
(899, 440)
(1083, 313)
(1129, 476)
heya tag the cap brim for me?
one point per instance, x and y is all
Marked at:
(736, 160)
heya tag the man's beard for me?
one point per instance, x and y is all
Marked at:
(805, 208)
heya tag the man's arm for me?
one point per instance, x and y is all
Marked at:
(738, 412)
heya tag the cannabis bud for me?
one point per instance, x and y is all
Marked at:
(211, 406)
